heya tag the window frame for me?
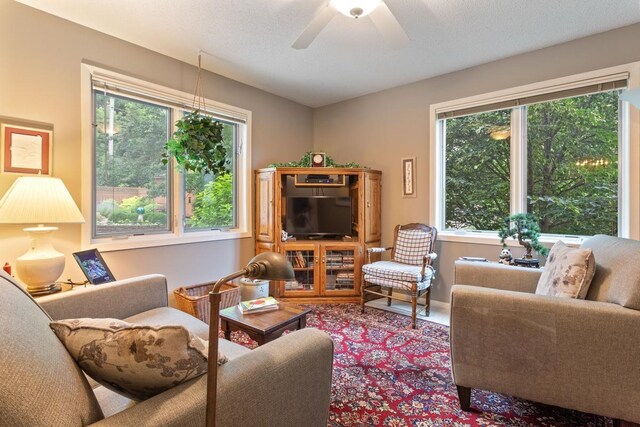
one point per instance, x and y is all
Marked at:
(177, 233)
(628, 155)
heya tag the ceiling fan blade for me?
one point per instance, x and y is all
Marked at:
(317, 24)
(389, 26)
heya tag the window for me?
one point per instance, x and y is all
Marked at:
(557, 153)
(132, 187)
(136, 200)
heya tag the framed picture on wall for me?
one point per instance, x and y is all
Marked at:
(409, 177)
(25, 150)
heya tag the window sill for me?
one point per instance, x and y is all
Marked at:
(154, 240)
(491, 238)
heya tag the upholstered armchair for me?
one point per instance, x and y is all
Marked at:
(408, 270)
(573, 353)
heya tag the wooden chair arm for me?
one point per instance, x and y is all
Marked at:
(375, 251)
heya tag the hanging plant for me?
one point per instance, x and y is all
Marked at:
(305, 162)
(197, 144)
(526, 230)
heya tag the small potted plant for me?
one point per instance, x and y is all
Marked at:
(524, 227)
(197, 144)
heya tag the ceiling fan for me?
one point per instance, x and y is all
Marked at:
(377, 10)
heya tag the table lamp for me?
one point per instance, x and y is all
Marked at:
(39, 200)
(266, 266)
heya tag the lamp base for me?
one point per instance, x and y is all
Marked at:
(41, 265)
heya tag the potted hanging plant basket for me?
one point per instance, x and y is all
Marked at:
(197, 144)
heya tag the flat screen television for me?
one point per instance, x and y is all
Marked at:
(318, 216)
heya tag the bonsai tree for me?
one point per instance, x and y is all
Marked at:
(197, 144)
(525, 228)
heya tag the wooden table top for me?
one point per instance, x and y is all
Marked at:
(265, 321)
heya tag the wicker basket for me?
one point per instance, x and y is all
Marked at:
(195, 299)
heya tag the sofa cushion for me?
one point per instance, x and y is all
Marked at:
(40, 385)
(567, 272)
(171, 316)
(617, 277)
(134, 360)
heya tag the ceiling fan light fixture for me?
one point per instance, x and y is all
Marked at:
(355, 8)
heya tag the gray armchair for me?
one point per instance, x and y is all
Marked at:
(577, 354)
(285, 383)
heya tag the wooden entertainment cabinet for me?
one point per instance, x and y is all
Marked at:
(327, 268)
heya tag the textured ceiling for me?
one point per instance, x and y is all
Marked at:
(249, 40)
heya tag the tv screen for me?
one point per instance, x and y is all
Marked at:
(318, 215)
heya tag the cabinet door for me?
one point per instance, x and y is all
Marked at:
(265, 215)
(341, 267)
(304, 257)
(372, 225)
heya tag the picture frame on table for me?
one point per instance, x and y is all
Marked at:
(94, 267)
(408, 177)
(25, 149)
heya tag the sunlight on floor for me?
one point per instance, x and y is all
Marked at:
(439, 310)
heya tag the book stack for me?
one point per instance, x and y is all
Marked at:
(347, 261)
(334, 260)
(258, 305)
(344, 280)
(298, 260)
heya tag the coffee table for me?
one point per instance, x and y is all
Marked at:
(264, 326)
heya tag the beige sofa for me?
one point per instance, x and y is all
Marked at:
(578, 354)
(284, 383)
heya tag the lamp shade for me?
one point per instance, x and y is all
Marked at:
(272, 266)
(39, 200)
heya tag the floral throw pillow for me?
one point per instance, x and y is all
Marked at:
(134, 360)
(567, 272)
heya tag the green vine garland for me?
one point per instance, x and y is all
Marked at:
(305, 162)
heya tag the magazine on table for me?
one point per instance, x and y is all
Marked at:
(259, 304)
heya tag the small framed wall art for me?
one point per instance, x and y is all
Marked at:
(25, 150)
(409, 177)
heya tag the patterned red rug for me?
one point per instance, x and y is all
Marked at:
(386, 374)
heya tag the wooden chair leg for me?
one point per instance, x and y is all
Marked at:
(414, 307)
(362, 301)
(464, 395)
(427, 301)
(389, 297)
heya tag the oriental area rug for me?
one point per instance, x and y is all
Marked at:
(385, 374)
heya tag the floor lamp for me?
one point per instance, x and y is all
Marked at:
(265, 266)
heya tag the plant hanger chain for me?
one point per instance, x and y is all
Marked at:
(198, 94)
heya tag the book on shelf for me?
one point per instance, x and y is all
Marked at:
(258, 305)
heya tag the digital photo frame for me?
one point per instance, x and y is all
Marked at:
(93, 266)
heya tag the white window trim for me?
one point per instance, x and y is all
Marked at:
(178, 235)
(629, 154)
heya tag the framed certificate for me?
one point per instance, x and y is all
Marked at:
(26, 150)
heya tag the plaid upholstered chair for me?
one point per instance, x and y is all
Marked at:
(408, 270)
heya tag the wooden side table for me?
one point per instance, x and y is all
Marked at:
(264, 326)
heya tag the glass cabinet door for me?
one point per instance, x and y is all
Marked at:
(304, 259)
(341, 266)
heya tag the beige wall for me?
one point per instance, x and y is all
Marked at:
(40, 58)
(40, 82)
(377, 130)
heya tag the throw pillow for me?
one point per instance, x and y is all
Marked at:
(567, 272)
(134, 360)
(411, 246)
